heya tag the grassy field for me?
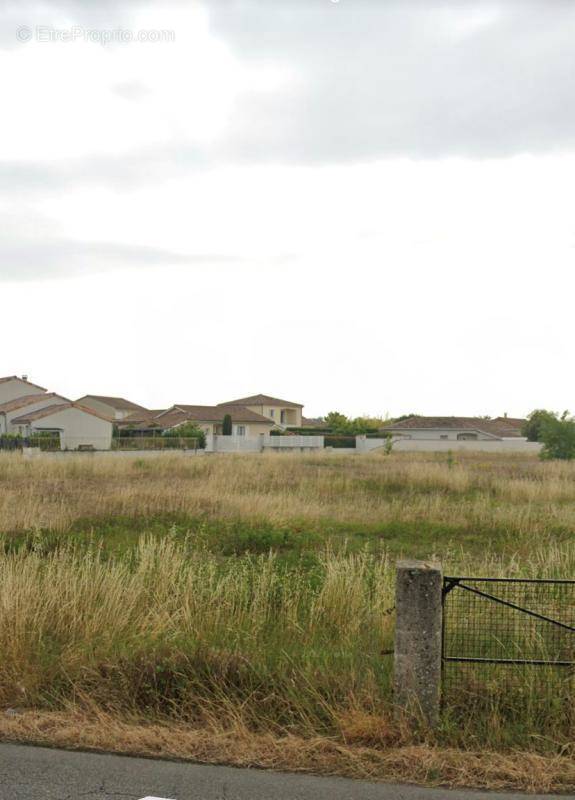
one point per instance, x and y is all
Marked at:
(238, 605)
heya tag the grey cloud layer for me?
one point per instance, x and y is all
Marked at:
(404, 78)
(374, 79)
(371, 80)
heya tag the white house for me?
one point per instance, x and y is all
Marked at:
(76, 426)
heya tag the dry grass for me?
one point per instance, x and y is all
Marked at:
(519, 495)
(418, 763)
(166, 646)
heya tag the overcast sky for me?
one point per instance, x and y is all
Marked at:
(357, 205)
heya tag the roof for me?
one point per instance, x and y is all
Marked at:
(117, 403)
(511, 422)
(217, 413)
(141, 418)
(497, 427)
(169, 419)
(313, 422)
(22, 380)
(27, 400)
(48, 411)
(260, 400)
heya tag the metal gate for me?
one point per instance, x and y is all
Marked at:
(508, 621)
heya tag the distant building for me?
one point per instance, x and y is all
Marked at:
(209, 418)
(114, 407)
(27, 404)
(13, 387)
(456, 428)
(27, 409)
(75, 426)
(283, 413)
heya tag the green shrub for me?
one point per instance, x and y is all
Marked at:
(558, 438)
(533, 425)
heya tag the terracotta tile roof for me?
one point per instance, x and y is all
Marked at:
(50, 410)
(171, 418)
(217, 413)
(488, 426)
(22, 380)
(510, 422)
(28, 400)
(140, 416)
(117, 403)
(261, 400)
(176, 415)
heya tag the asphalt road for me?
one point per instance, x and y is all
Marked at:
(37, 773)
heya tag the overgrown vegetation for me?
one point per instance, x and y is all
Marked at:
(188, 430)
(556, 433)
(249, 594)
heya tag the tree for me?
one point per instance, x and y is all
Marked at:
(341, 425)
(533, 425)
(336, 421)
(227, 425)
(558, 437)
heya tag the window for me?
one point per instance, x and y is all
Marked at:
(240, 430)
(443, 436)
(282, 416)
(467, 437)
(272, 412)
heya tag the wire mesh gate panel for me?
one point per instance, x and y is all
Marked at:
(507, 638)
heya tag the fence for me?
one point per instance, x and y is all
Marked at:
(44, 443)
(155, 443)
(461, 639)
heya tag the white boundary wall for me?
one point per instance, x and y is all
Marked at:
(233, 444)
(516, 445)
(293, 442)
(261, 443)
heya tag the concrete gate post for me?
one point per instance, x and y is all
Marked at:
(418, 634)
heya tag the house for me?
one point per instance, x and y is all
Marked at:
(211, 418)
(77, 427)
(13, 387)
(456, 428)
(283, 413)
(114, 407)
(27, 409)
(26, 404)
(510, 425)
